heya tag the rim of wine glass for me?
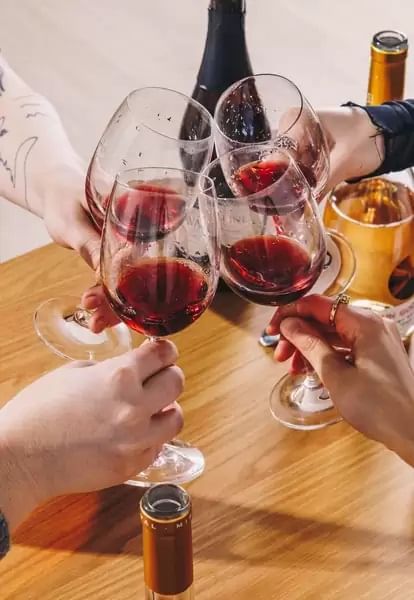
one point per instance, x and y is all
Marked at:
(118, 183)
(234, 86)
(303, 102)
(342, 215)
(197, 176)
(189, 100)
(260, 146)
(336, 234)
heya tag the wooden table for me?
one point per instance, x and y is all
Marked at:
(277, 514)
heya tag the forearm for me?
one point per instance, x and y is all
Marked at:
(15, 503)
(394, 123)
(36, 156)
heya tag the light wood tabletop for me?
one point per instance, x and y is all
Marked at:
(278, 514)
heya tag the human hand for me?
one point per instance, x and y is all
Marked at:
(355, 148)
(66, 216)
(375, 393)
(85, 427)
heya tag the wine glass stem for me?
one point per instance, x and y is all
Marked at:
(80, 316)
(312, 380)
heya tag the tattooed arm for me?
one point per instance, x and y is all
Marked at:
(39, 169)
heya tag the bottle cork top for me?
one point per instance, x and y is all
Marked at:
(390, 41)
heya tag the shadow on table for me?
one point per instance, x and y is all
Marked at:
(108, 523)
(231, 307)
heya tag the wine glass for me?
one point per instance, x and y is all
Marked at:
(273, 252)
(155, 126)
(159, 267)
(269, 107)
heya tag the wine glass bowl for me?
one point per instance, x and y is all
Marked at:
(273, 246)
(159, 267)
(269, 107)
(152, 126)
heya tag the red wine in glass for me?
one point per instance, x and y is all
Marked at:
(160, 296)
(270, 270)
(260, 175)
(148, 213)
(145, 213)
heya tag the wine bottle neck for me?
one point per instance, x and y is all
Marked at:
(229, 6)
(226, 58)
(387, 68)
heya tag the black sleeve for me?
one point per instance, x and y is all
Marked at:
(395, 121)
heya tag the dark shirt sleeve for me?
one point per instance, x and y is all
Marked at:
(395, 121)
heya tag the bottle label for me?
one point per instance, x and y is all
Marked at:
(403, 315)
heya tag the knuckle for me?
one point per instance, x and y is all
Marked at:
(170, 425)
(309, 343)
(121, 377)
(177, 420)
(164, 350)
(176, 380)
(127, 417)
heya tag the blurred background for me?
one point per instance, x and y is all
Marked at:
(86, 55)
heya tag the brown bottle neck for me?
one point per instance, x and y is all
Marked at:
(389, 51)
(168, 556)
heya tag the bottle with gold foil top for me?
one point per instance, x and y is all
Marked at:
(376, 215)
(389, 51)
(167, 543)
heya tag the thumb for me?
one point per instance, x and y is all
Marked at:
(87, 242)
(308, 340)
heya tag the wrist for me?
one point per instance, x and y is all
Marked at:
(61, 182)
(364, 144)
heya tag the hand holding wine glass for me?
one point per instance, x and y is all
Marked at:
(159, 268)
(273, 252)
(374, 391)
(151, 126)
(104, 415)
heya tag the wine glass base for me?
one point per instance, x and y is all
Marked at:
(269, 341)
(300, 407)
(177, 463)
(70, 340)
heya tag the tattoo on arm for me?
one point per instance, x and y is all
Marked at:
(17, 173)
(2, 88)
(35, 114)
(3, 130)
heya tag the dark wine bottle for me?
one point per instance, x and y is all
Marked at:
(225, 60)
